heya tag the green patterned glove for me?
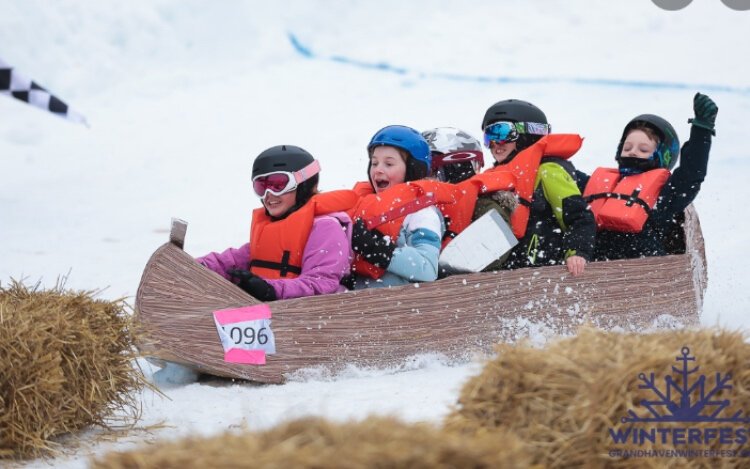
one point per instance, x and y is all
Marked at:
(705, 112)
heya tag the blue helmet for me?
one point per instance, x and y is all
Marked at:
(407, 139)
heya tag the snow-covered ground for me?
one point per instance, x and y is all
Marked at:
(182, 94)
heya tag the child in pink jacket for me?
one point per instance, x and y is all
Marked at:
(300, 240)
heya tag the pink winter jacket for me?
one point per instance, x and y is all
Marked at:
(325, 261)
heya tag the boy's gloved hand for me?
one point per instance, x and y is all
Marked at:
(705, 112)
(252, 284)
(372, 245)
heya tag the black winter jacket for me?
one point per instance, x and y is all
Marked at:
(551, 238)
(665, 219)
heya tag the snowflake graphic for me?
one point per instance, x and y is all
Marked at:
(677, 401)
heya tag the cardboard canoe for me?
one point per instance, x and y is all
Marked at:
(457, 316)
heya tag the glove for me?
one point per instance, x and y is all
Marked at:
(252, 284)
(507, 201)
(372, 245)
(705, 112)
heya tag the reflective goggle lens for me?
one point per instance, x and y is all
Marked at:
(276, 183)
(500, 132)
(443, 159)
(281, 182)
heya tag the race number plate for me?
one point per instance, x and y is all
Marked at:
(246, 334)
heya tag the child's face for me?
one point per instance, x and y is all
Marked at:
(500, 151)
(278, 205)
(387, 168)
(638, 145)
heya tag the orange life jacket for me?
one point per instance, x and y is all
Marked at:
(524, 167)
(459, 211)
(623, 203)
(385, 212)
(458, 214)
(276, 247)
(363, 188)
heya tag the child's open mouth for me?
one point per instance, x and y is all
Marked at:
(382, 184)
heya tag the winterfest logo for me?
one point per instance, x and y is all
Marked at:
(688, 400)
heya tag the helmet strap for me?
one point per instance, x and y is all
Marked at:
(415, 170)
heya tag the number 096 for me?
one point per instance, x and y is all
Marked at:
(248, 335)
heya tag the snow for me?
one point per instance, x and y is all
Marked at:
(181, 95)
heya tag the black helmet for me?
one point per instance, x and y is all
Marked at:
(288, 158)
(668, 149)
(281, 158)
(514, 110)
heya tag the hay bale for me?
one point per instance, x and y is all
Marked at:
(66, 364)
(317, 443)
(563, 399)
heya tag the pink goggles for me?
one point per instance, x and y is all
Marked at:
(280, 182)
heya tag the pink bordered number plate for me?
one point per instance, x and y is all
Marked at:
(246, 334)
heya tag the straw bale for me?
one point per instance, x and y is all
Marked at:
(67, 363)
(317, 443)
(561, 400)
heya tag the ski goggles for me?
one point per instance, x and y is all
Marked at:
(444, 159)
(281, 182)
(504, 131)
(455, 173)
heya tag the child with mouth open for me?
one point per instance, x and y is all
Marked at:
(398, 229)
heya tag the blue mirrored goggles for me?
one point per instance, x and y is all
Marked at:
(505, 131)
(500, 132)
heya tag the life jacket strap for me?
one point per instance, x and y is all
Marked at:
(394, 213)
(630, 199)
(284, 267)
(524, 202)
(449, 234)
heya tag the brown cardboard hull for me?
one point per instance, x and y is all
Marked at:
(457, 316)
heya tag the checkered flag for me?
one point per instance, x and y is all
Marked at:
(15, 84)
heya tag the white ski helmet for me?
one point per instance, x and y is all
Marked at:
(456, 155)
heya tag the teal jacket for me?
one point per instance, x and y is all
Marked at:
(415, 258)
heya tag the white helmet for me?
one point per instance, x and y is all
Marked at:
(456, 155)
